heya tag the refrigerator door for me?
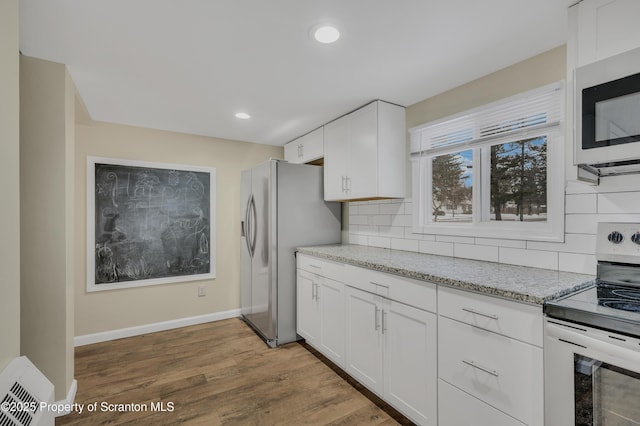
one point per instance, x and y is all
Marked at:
(245, 256)
(262, 229)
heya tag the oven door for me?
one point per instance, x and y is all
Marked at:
(592, 377)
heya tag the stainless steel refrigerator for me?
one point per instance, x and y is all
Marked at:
(282, 207)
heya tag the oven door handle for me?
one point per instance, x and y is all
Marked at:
(622, 357)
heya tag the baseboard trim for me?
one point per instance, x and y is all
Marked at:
(68, 401)
(105, 336)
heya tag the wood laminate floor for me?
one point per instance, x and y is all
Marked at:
(213, 374)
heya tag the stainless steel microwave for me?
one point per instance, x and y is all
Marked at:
(607, 107)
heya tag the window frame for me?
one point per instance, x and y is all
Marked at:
(481, 226)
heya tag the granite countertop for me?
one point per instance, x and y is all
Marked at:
(519, 283)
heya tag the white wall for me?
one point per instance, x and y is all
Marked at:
(388, 223)
(10, 178)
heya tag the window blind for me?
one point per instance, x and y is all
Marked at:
(517, 115)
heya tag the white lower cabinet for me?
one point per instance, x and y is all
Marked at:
(320, 314)
(391, 350)
(439, 355)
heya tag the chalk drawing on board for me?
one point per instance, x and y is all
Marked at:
(148, 223)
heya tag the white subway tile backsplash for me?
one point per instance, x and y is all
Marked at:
(402, 220)
(477, 252)
(573, 243)
(383, 242)
(358, 220)
(391, 208)
(621, 217)
(455, 239)
(368, 209)
(581, 203)
(391, 231)
(619, 202)
(580, 263)
(580, 223)
(380, 220)
(577, 187)
(408, 208)
(435, 247)
(533, 258)
(361, 240)
(365, 230)
(501, 242)
(406, 245)
(408, 233)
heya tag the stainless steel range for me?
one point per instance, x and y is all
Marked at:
(592, 339)
(613, 303)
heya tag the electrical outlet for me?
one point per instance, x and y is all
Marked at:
(202, 291)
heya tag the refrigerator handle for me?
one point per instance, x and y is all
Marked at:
(254, 226)
(246, 226)
(242, 232)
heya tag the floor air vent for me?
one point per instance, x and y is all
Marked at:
(22, 390)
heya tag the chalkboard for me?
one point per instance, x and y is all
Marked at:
(150, 223)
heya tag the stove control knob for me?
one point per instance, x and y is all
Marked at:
(615, 237)
(636, 238)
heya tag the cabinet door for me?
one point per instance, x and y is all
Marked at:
(308, 313)
(606, 28)
(336, 144)
(363, 152)
(364, 339)
(332, 317)
(292, 151)
(312, 145)
(410, 361)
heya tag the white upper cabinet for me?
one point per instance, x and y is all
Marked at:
(307, 148)
(603, 28)
(365, 154)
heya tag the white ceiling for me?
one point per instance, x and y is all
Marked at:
(190, 65)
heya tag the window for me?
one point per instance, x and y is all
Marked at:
(495, 171)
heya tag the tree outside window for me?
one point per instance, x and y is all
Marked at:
(519, 180)
(451, 187)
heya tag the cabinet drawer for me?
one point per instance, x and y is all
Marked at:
(419, 294)
(322, 267)
(512, 319)
(503, 372)
(459, 408)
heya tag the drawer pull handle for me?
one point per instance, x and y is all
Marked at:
(376, 325)
(473, 311)
(378, 284)
(315, 266)
(479, 367)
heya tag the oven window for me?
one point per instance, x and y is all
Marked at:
(617, 118)
(605, 394)
(609, 113)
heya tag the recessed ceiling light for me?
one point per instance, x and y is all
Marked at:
(243, 116)
(326, 34)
